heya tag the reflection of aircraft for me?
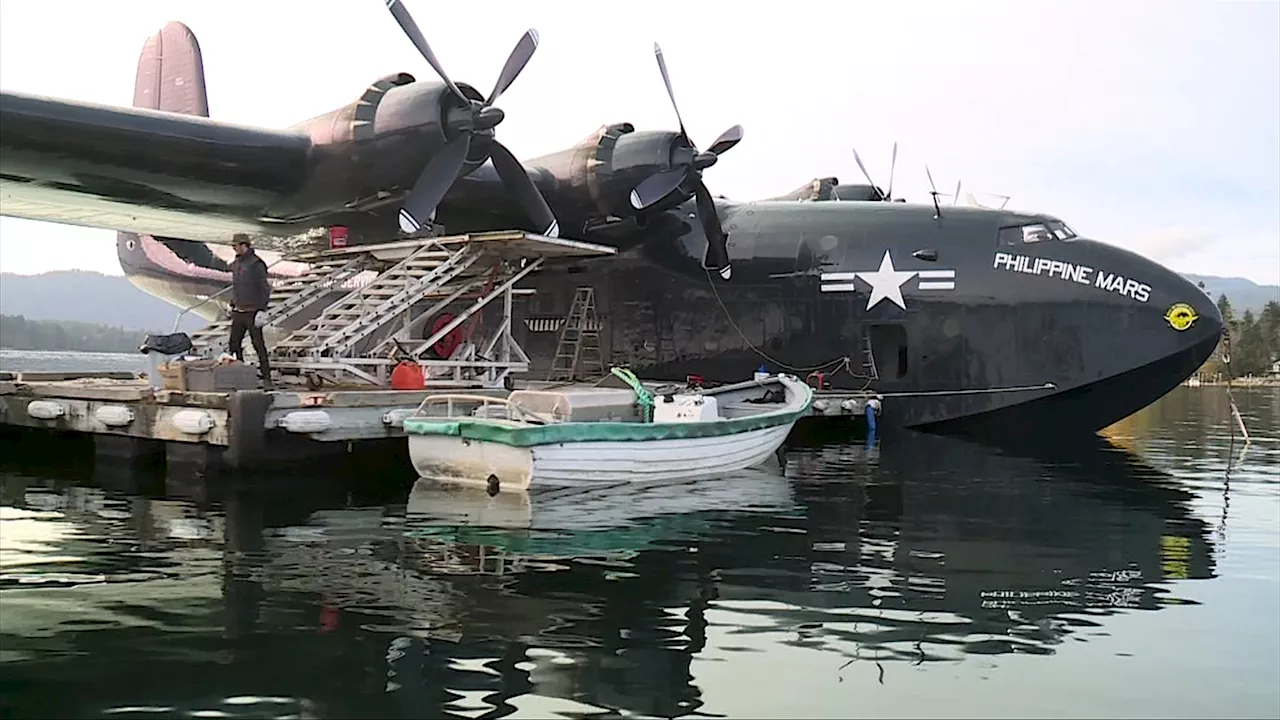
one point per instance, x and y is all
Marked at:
(971, 319)
(960, 528)
(925, 552)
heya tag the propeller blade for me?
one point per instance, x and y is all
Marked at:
(956, 198)
(433, 183)
(410, 28)
(518, 183)
(662, 67)
(516, 61)
(893, 165)
(656, 186)
(928, 174)
(727, 140)
(717, 250)
(863, 168)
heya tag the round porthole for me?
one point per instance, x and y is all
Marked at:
(130, 244)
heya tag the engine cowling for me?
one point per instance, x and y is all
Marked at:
(354, 121)
(369, 152)
(596, 176)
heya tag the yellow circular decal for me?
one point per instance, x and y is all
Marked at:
(1180, 316)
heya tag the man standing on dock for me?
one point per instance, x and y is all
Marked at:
(250, 293)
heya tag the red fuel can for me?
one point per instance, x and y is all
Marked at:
(408, 375)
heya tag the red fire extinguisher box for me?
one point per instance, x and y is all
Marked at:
(337, 237)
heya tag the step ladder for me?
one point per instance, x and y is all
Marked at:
(350, 321)
(287, 298)
(868, 357)
(579, 340)
(665, 349)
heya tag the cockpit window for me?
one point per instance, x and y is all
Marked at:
(1061, 230)
(1036, 232)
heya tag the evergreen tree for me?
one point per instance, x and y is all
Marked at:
(20, 333)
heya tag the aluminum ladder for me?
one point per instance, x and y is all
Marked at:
(352, 320)
(579, 341)
(868, 357)
(287, 298)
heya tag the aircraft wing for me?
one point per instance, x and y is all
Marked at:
(143, 171)
(479, 200)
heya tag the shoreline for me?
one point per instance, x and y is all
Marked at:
(1245, 382)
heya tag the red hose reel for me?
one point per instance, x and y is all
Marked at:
(445, 346)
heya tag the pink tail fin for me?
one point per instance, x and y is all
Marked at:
(171, 73)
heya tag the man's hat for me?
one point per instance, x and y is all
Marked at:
(241, 239)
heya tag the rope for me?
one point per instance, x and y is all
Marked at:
(1231, 400)
(841, 363)
(644, 398)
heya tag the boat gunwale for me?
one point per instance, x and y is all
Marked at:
(515, 434)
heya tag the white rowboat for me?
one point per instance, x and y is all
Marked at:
(585, 436)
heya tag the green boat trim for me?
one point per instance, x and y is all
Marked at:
(628, 539)
(506, 433)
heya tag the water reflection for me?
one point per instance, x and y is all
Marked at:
(432, 601)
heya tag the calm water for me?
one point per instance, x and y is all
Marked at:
(58, 361)
(918, 577)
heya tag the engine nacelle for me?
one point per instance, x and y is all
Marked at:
(355, 121)
(816, 190)
(370, 152)
(829, 189)
(596, 176)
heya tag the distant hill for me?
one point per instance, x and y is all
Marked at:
(1243, 294)
(112, 300)
(19, 333)
(89, 297)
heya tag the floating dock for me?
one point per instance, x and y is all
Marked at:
(334, 336)
(244, 428)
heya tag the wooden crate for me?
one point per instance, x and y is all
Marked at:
(207, 376)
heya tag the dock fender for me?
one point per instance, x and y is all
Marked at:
(246, 428)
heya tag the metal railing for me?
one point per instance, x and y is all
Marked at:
(177, 321)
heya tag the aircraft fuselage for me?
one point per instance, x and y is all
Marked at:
(964, 320)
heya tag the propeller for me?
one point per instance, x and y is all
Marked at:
(475, 118)
(933, 190)
(885, 195)
(688, 164)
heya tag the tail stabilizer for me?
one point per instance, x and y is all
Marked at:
(171, 73)
(171, 78)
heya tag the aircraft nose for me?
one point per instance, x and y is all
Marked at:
(1161, 317)
(1187, 308)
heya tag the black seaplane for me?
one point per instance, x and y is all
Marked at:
(965, 319)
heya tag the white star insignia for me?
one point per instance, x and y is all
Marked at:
(886, 283)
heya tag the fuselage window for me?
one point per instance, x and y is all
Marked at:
(1035, 233)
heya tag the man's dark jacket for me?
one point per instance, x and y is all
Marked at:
(250, 289)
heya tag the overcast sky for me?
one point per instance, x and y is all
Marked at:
(1150, 125)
